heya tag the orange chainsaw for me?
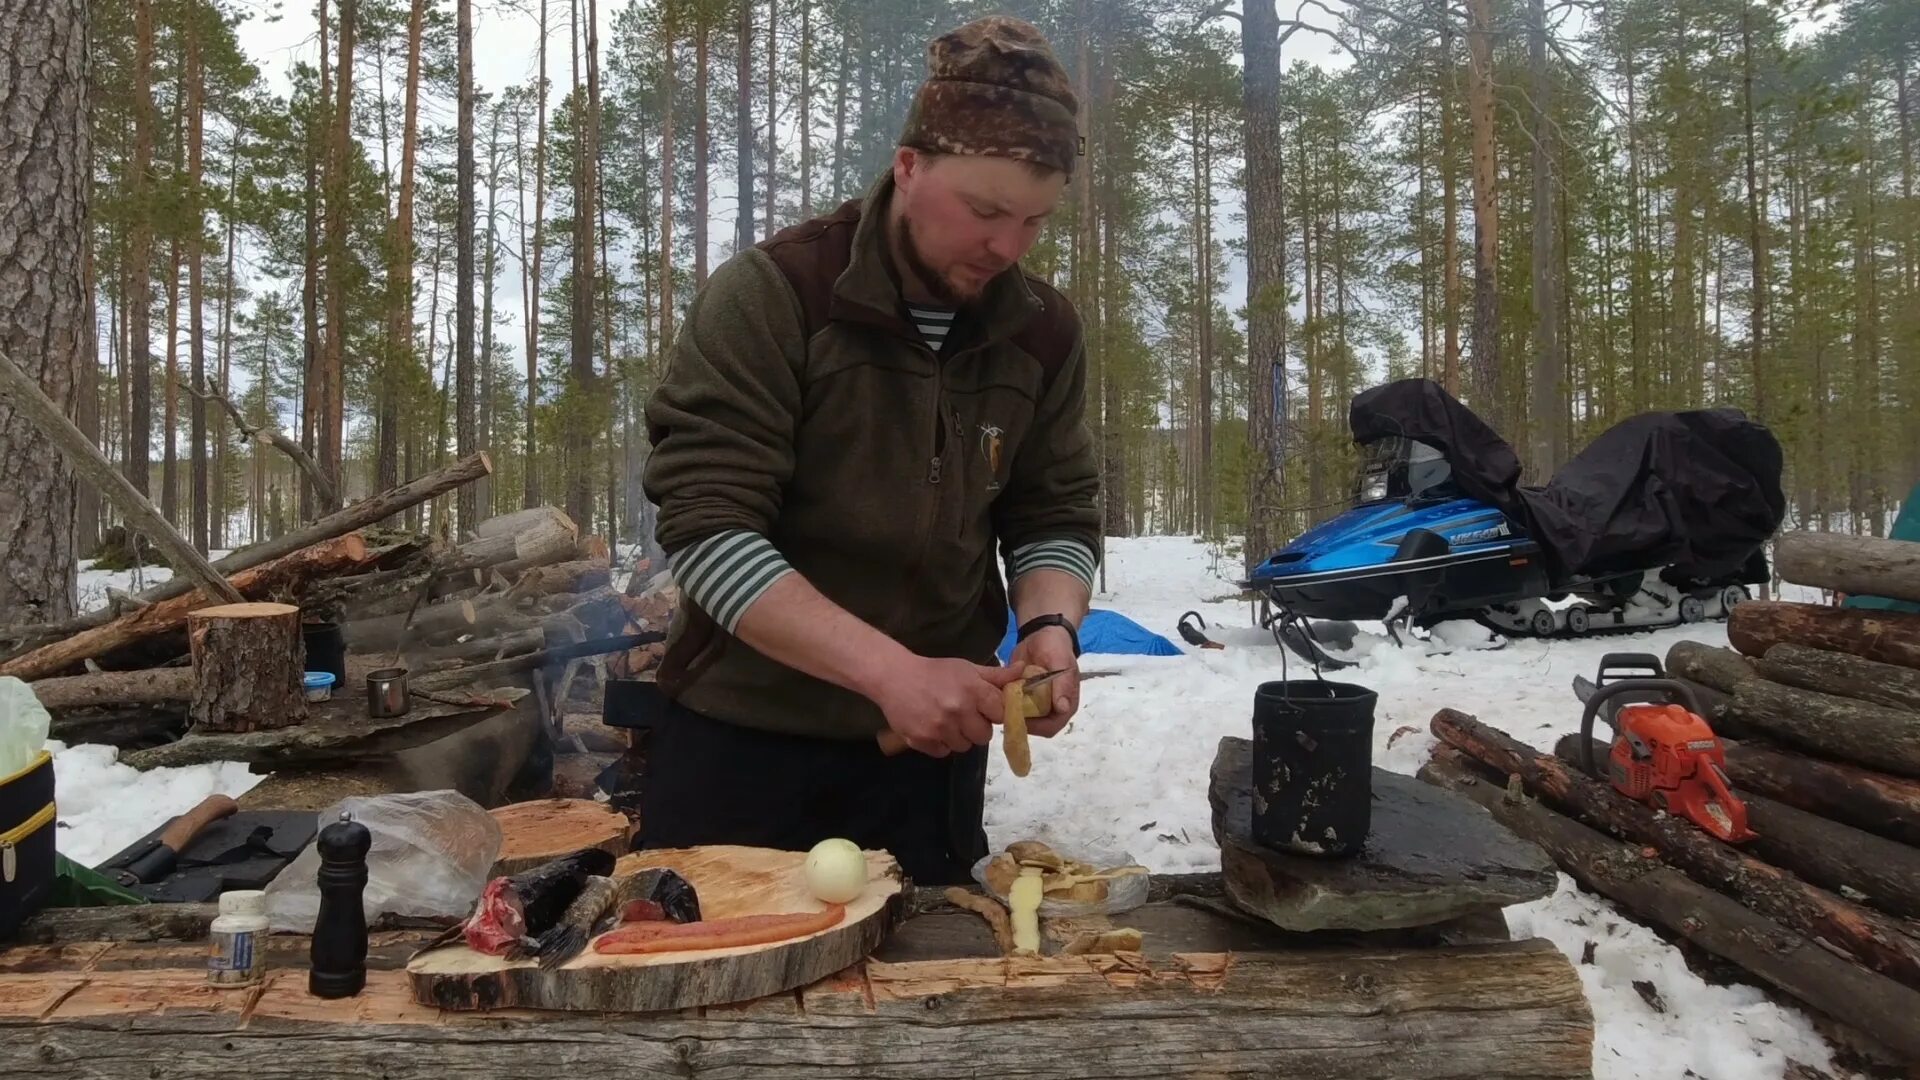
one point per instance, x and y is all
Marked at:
(1663, 754)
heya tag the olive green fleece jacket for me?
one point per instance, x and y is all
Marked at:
(803, 423)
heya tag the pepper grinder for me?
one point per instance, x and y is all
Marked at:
(339, 951)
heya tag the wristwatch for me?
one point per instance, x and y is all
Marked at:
(1040, 622)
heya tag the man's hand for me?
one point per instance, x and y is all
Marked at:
(1051, 648)
(942, 706)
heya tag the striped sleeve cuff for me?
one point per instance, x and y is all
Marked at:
(726, 572)
(1070, 556)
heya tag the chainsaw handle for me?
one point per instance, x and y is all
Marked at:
(1736, 810)
(1669, 687)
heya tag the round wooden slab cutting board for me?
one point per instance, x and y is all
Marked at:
(730, 881)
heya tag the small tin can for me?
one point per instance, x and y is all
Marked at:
(236, 940)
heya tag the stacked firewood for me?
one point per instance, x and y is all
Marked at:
(521, 595)
(1818, 711)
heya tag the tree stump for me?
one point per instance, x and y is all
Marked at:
(534, 832)
(248, 664)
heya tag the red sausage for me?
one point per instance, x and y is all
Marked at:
(656, 937)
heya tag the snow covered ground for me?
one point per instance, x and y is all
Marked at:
(1130, 775)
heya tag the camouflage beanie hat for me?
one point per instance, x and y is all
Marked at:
(994, 87)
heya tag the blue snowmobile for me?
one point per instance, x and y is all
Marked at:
(1661, 520)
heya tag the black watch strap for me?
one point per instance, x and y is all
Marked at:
(1039, 622)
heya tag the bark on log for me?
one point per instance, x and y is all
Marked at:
(1842, 673)
(283, 576)
(1855, 565)
(1890, 637)
(1834, 727)
(248, 661)
(1887, 805)
(1720, 669)
(360, 515)
(26, 397)
(491, 674)
(100, 688)
(466, 654)
(1875, 939)
(1862, 867)
(580, 575)
(532, 518)
(1775, 954)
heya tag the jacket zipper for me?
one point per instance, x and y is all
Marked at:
(14, 837)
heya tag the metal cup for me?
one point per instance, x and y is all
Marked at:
(387, 693)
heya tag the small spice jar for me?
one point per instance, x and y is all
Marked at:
(236, 940)
(319, 685)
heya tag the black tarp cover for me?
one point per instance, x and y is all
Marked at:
(1695, 490)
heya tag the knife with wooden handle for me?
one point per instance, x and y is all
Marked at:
(159, 860)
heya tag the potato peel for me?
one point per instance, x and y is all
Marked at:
(1014, 721)
(988, 909)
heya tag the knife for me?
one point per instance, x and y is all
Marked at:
(892, 742)
(156, 859)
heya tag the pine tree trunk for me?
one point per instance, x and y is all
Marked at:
(196, 297)
(743, 231)
(702, 148)
(1638, 294)
(1310, 330)
(1756, 226)
(170, 461)
(310, 275)
(806, 111)
(45, 152)
(483, 488)
(333, 366)
(464, 444)
(1205, 478)
(398, 360)
(531, 287)
(580, 427)
(139, 270)
(86, 521)
(1449, 213)
(773, 112)
(840, 119)
(1486, 218)
(220, 448)
(1548, 414)
(666, 190)
(1266, 275)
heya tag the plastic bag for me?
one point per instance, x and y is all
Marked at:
(1124, 892)
(430, 856)
(23, 725)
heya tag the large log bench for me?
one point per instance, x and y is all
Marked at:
(112, 993)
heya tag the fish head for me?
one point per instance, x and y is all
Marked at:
(498, 920)
(676, 897)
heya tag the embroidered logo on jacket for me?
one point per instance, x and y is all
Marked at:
(990, 443)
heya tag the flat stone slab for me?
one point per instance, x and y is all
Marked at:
(1430, 856)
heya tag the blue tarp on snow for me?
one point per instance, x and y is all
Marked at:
(1105, 632)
